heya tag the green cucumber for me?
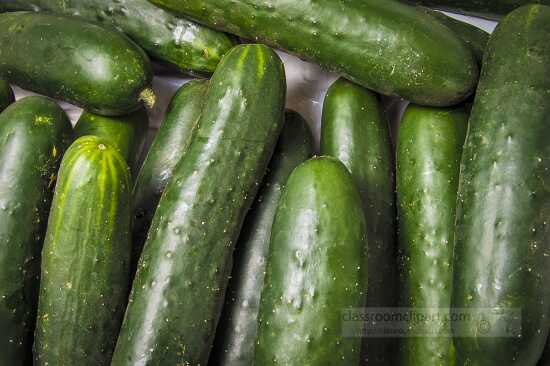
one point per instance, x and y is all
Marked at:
(501, 246)
(6, 95)
(491, 9)
(85, 261)
(429, 148)
(126, 133)
(83, 63)
(171, 141)
(386, 46)
(164, 36)
(190, 244)
(315, 269)
(355, 130)
(34, 133)
(236, 334)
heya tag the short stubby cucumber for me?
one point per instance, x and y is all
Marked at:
(85, 261)
(314, 269)
(386, 46)
(355, 130)
(197, 222)
(501, 263)
(176, 40)
(492, 9)
(169, 144)
(34, 133)
(6, 95)
(83, 63)
(429, 148)
(236, 334)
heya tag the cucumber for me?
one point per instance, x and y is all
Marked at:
(198, 219)
(6, 95)
(386, 46)
(236, 334)
(429, 148)
(85, 261)
(126, 133)
(178, 41)
(171, 141)
(501, 247)
(491, 9)
(83, 63)
(34, 133)
(315, 269)
(355, 130)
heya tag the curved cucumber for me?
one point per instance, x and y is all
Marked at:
(355, 130)
(164, 36)
(34, 133)
(85, 262)
(314, 269)
(126, 133)
(65, 58)
(198, 219)
(385, 46)
(501, 247)
(171, 141)
(429, 148)
(236, 334)
(6, 95)
(492, 9)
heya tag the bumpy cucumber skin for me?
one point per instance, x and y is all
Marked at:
(501, 246)
(190, 244)
(126, 133)
(85, 262)
(491, 9)
(315, 269)
(429, 148)
(181, 42)
(355, 130)
(34, 133)
(236, 334)
(168, 147)
(385, 46)
(6, 95)
(66, 58)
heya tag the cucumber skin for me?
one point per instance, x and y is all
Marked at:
(492, 9)
(44, 53)
(315, 269)
(34, 133)
(429, 148)
(126, 133)
(503, 197)
(6, 95)
(158, 32)
(205, 202)
(168, 147)
(355, 130)
(85, 262)
(237, 330)
(425, 63)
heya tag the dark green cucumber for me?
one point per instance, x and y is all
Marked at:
(355, 130)
(126, 133)
(429, 148)
(190, 244)
(236, 334)
(386, 46)
(315, 269)
(171, 141)
(501, 246)
(66, 58)
(164, 36)
(491, 9)
(85, 261)
(34, 133)
(6, 95)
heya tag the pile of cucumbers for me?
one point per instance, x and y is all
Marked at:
(236, 238)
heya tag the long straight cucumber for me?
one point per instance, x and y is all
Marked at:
(492, 9)
(85, 262)
(164, 36)
(6, 95)
(386, 46)
(429, 148)
(190, 244)
(355, 130)
(236, 334)
(501, 248)
(34, 133)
